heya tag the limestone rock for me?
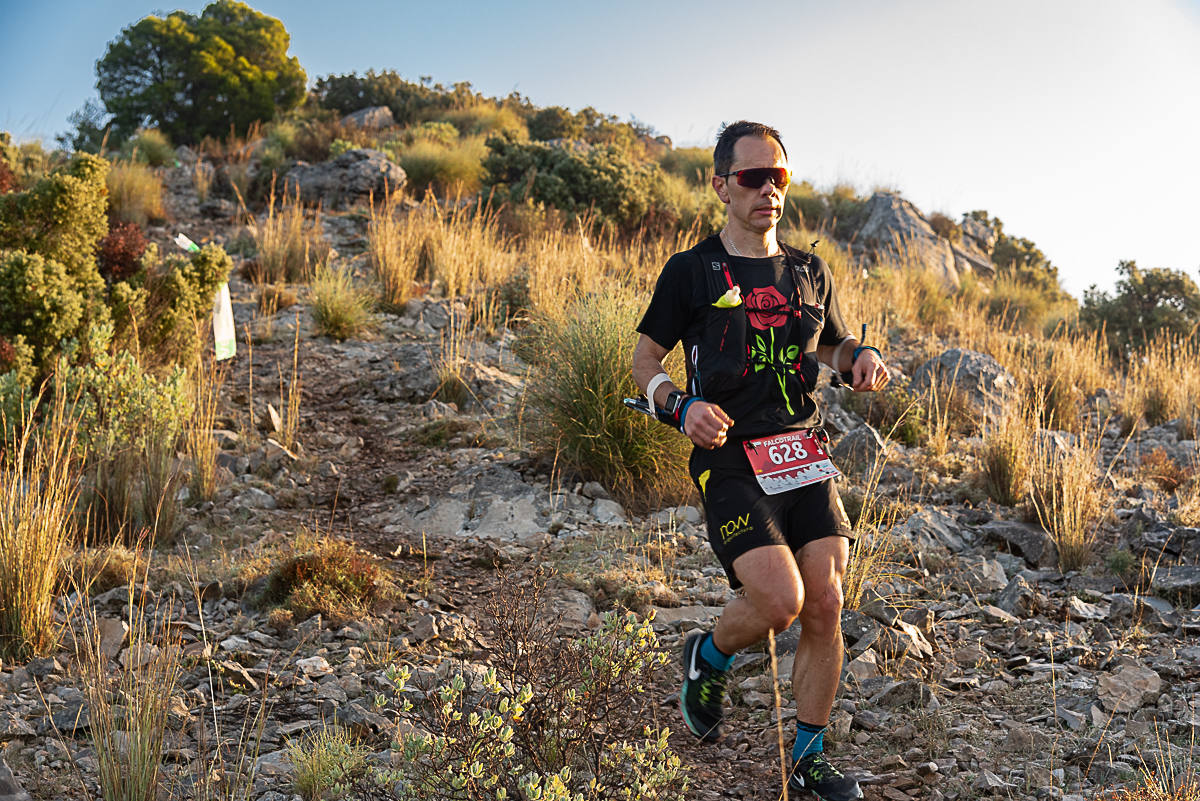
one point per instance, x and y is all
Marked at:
(859, 449)
(1031, 542)
(930, 529)
(1128, 688)
(351, 177)
(979, 378)
(898, 231)
(10, 789)
(372, 118)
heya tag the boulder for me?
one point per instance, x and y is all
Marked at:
(931, 530)
(351, 177)
(1128, 688)
(1177, 579)
(1029, 541)
(979, 378)
(10, 789)
(898, 231)
(858, 449)
(372, 118)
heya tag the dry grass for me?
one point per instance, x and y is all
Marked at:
(1068, 497)
(202, 179)
(291, 244)
(39, 476)
(287, 427)
(872, 554)
(394, 246)
(340, 307)
(134, 193)
(1006, 457)
(450, 359)
(1162, 383)
(199, 443)
(128, 702)
(97, 570)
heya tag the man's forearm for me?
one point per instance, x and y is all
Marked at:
(839, 357)
(646, 365)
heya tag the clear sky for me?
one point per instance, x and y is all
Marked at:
(1077, 123)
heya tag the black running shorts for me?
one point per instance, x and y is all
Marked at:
(742, 517)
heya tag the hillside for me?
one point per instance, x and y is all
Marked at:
(283, 573)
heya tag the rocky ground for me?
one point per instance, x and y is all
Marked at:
(975, 669)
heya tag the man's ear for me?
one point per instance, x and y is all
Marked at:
(720, 187)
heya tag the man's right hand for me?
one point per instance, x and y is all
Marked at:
(706, 424)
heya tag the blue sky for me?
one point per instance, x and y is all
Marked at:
(1074, 122)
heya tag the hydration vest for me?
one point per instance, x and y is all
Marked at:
(723, 359)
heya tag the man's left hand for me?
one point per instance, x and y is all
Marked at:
(869, 373)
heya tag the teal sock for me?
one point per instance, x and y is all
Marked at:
(713, 655)
(810, 739)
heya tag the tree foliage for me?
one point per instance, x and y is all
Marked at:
(196, 76)
(1146, 304)
(410, 102)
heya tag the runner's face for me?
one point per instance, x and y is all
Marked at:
(759, 209)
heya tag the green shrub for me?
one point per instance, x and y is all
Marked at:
(339, 146)
(586, 736)
(341, 309)
(446, 169)
(39, 305)
(603, 180)
(443, 133)
(1145, 305)
(483, 119)
(677, 203)
(580, 354)
(1028, 307)
(129, 423)
(693, 164)
(61, 217)
(327, 764)
(410, 102)
(150, 147)
(163, 311)
(555, 122)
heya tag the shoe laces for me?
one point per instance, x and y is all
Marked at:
(820, 768)
(712, 686)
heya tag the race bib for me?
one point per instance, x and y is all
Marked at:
(788, 461)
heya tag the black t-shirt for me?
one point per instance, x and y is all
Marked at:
(781, 331)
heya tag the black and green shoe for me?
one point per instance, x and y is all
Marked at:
(703, 693)
(814, 774)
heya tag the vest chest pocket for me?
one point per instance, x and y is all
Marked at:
(719, 361)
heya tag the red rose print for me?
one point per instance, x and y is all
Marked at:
(766, 307)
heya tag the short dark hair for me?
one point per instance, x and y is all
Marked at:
(723, 152)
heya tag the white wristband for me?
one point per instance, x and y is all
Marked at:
(653, 386)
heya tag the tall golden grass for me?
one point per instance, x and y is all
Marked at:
(291, 245)
(134, 193)
(39, 480)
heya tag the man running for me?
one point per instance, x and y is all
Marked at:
(755, 316)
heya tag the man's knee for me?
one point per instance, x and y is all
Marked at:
(822, 612)
(779, 612)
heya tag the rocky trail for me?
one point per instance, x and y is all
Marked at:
(975, 669)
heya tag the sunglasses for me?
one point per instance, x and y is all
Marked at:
(755, 177)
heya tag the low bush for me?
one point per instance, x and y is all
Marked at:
(149, 146)
(693, 164)
(40, 306)
(120, 252)
(894, 412)
(341, 309)
(483, 737)
(328, 764)
(580, 354)
(486, 119)
(135, 194)
(443, 169)
(333, 578)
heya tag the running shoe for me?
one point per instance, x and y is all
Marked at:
(814, 774)
(703, 692)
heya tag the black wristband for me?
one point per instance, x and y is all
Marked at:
(671, 412)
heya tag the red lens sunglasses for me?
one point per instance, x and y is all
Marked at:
(755, 177)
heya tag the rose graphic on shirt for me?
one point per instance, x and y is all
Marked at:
(766, 307)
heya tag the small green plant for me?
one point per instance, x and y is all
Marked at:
(894, 412)
(584, 738)
(327, 764)
(149, 146)
(341, 309)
